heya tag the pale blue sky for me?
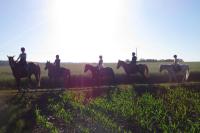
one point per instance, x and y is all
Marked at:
(80, 30)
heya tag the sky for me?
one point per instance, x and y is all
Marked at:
(81, 30)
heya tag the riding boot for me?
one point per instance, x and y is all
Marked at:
(26, 68)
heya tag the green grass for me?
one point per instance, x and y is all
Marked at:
(14, 113)
(124, 110)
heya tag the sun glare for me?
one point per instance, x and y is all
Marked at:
(81, 30)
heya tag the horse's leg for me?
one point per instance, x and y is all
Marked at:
(184, 76)
(52, 81)
(143, 73)
(98, 81)
(187, 74)
(37, 77)
(66, 79)
(29, 80)
(69, 78)
(17, 80)
(170, 76)
(174, 77)
(146, 72)
(113, 77)
(128, 77)
(94, 80)
(144, 76)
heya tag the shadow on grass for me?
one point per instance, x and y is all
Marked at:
(16, 115)
(86, 81)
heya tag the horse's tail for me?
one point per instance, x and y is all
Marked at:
(146, 72)
(113, 76)
(147, 69)
(187, 73)
(66, 76)
(39, 71)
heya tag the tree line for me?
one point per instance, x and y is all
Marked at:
(160, 60)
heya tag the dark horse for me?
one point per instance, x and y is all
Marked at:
(131, 69)
(55, 74)
(19, 72)
(106, 73)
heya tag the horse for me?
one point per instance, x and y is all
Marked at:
(55, 74)
(130, 69)
(98, 75)
(19, 73)
(172, 72)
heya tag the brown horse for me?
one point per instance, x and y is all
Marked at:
(106, 74)
(55, 74)
(133, 69)
(19, 72)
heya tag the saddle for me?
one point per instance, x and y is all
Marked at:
(23, 66)
(177, 68)
(58, 71)
(100, 71)
(133, 67)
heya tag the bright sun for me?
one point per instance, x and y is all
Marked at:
(82, 30)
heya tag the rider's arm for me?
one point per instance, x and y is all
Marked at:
(175, 61)
(100, 62)
(18, 57)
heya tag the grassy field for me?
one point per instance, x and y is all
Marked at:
(78, 68)
(79, 78)
(153, 108)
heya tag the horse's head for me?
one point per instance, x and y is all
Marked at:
(11, 60)
(47, 65)
(86, 68)
(119, 64)
(90, 67)
(162, 68)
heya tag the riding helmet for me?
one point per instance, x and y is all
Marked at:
(22, 49)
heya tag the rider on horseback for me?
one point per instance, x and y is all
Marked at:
(22, 58)
(176, 64)
(134, 59)
(57, 61)
(100, 64)
(57, 64)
